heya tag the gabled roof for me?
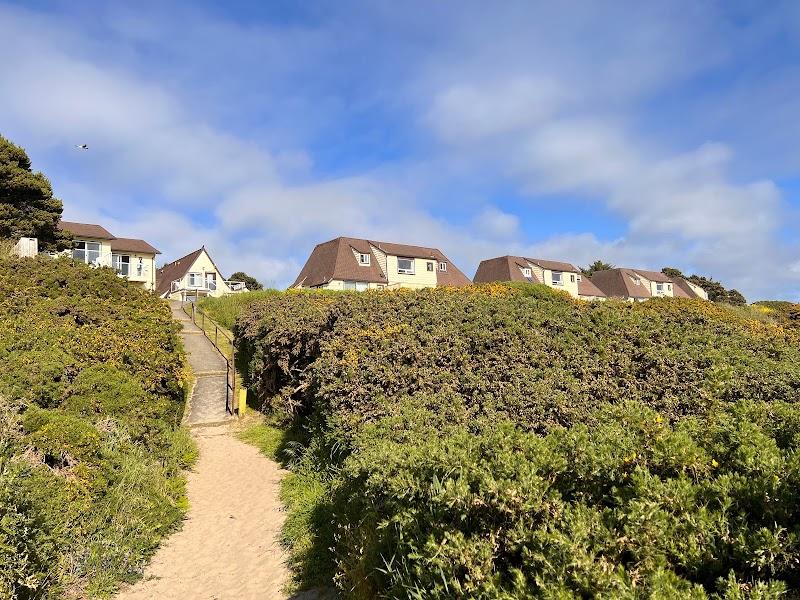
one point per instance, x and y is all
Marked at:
(89, 230)
(132, 245)
(619, 283)
(587, 288)
(336, 259)
(554, 265)
(175, 270)
(503, 268)
(656, 276)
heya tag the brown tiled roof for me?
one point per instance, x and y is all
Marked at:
(656, 276)
(133, 245)
(503, 268)
(88, 230)
(174, 270)
(618, 283)
(587, 288)
(682, 289)
(335, 260)
(554, 265)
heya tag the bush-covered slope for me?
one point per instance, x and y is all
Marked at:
(508, 442)
(91, 396)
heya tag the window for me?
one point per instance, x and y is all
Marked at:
(211, 281)
(429, 266)
(195, 280)
(558, 278)
(140, 267)
(669, 287)
(443, 266)
(121, 263)
(350, 285)
(526, 272)
(660, 288)
(572, 278)
(405, 266)
(356, 286)
(636, 280)
(88, 252)
(364, 260)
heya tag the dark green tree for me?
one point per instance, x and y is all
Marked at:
(672, 272)
(717, 292)
(27, 205)
(251, 282)
(597, 265)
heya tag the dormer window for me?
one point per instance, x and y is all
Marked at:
(558, 278)
(526, 272)
(636, 280)
(443, 266)
(364, 260)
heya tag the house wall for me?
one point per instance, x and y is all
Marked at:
(568, 285)
(148, 277)
(698, 290)
(338, 285)
(538, 272)
(380, 257)
(668, 292)
(422, 278)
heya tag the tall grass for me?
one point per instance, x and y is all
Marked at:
(225, 309)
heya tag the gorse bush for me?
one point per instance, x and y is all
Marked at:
(90, 449)
(506, 441)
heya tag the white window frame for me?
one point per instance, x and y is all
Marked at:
(194, 280)
(349, 286)
(403, 271)
(429, 266)
(443, 267)
(526, 272)
(364, 259)
(560, 280)
(118, 262)
(572, 277)
(87, 252)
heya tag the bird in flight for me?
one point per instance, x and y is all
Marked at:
(82, 146)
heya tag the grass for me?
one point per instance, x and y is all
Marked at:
(225, 309)
(307, 532)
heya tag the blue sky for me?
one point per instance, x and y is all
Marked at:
(647, 136)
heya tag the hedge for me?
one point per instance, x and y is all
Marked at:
(91, 453)
(506, 441)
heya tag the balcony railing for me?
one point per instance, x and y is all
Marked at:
(207, 286)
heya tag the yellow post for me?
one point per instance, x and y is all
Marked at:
(242, 401)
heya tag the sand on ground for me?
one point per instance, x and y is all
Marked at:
(229, 545)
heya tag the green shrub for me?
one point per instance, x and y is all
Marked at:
(505, 441)
(91, 395)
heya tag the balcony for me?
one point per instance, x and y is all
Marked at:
(131, 270)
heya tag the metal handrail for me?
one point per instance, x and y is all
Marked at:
(230, 364)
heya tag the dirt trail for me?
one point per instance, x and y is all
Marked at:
(228, 547)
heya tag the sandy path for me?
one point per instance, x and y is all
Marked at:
(228, 547)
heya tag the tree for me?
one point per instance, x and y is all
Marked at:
(251, 282)
(597, 265)
(717, 292)
(27, 205)
(672, 272)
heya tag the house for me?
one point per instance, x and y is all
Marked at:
(132, 258)
(194, 276)
(555, 274)
(637, 285)
(358, 264)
